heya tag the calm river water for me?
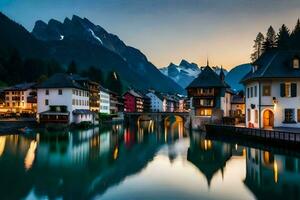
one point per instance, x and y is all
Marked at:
(142, 163)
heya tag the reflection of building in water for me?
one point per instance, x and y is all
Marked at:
(209, 156)
(272, 176)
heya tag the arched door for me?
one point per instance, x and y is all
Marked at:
(268, 119)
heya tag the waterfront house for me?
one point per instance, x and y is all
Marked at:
(104, 100)
(21, 98)
(156, 99)
(114, 102)
(133, 101)
(210, 96)
(237, 105)
(61, 99)
(273, 90)
(93, 87)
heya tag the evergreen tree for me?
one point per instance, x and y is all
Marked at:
(52, 67)
(15, 67)
(258, 47)
(72, 68)
(114, 83)
(295, 36)
(283, 38)
(270, 41)
(93, 73)
(33, 69)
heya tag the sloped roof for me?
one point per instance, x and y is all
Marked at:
(21, 87)
(274, 64)
(61, 80)
(208, 78)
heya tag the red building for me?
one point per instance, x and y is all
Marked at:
(133, 102)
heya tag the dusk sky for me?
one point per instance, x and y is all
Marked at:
(171, 30)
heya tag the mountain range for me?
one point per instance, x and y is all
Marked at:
(78, 39)
(184, 73)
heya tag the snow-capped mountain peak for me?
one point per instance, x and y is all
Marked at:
(184, 73)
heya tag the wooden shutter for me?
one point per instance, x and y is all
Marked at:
(293, 89)
(282, 89)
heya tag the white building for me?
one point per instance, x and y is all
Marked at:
(60, 99)
(104, 100)
(273, 91)
(156, 101)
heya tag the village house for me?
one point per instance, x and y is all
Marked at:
(133, 101)
(104, 100)
(61, 99)
(21, 98)
(273, 91)
(113, 98)
(93, 88)
(237, 106)
(156, 101)
(210, 97)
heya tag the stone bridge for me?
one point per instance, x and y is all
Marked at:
(157, 117)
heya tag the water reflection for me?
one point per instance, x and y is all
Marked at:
(143, 162)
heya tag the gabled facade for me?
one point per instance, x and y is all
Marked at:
(209, 94)
(21, 98)
(273, 91)
(133, 102)
(62, 100)
(104, 100)
(156, 101)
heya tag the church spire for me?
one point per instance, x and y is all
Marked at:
(207, 62)
(222, 75)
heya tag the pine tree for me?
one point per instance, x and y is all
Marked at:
(295, 36)
(94, 73)
(15, 67)
(72, 68)
(258, 47)
(283, 38)
(270, 41)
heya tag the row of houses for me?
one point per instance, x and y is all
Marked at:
(69, 99)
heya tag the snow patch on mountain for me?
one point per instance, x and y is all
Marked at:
(95, 36)
(184, 73)
(61, 37)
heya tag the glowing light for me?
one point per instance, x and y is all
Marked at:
(30, 156)
(275, 172)
(116, 153)
(2, 144)
(236, 147)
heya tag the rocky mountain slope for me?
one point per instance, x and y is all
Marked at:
(185, 72)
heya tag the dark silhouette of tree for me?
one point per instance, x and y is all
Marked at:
(295, 36)
(33, 69)
(15, 67)
(114, 83)
(94, 74)
(270, 41)
(283, 38)
(53, 67)
(72, 68)
(258, 47)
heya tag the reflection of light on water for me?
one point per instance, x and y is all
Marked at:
(275, 172)
(116, 153)
(30, 155)
(2, 144)
(207, 144)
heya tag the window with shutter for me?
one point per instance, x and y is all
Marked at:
(294, 90)
(282, 90)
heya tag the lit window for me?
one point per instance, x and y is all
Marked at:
(204, 112)
(296, 63)
(287, 89)
(256, 116)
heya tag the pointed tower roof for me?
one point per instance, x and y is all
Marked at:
(208, 79)
(222, 74)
